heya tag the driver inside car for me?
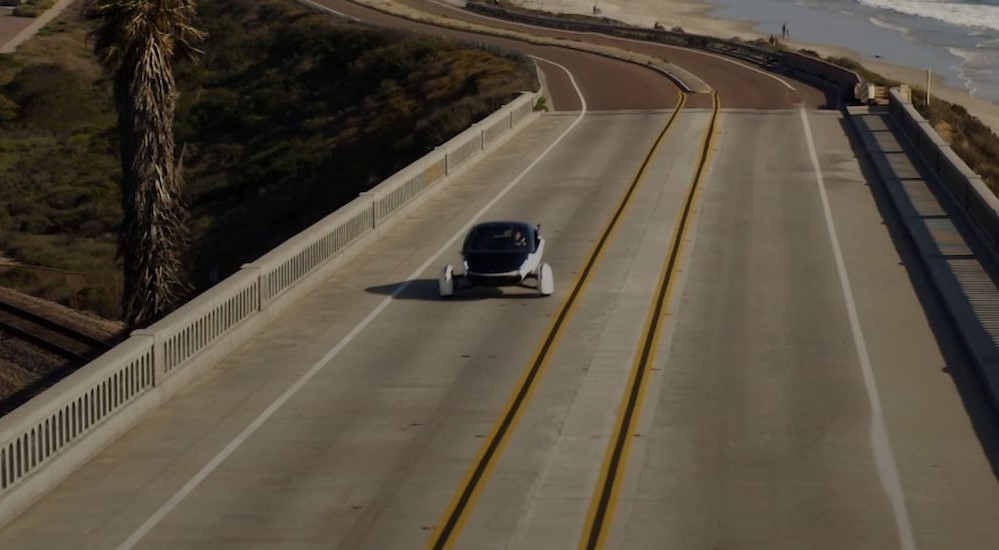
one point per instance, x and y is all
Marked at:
(518, 238)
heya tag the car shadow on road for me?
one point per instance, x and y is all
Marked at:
(428, 290)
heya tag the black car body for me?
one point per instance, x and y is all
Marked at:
(501, 253)
(495, 256)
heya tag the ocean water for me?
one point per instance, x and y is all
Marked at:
(957, 40)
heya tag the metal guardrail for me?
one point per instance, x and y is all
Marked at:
(47, 438)
(772, 58)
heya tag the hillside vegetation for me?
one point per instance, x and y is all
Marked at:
(289, 115)
(28, 8)
(971, 139)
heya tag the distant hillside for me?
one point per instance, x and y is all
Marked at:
(288, 115)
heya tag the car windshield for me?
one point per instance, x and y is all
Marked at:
(509, 238)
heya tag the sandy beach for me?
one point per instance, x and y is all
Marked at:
(695, 16)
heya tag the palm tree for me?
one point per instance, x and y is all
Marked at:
(138, 42)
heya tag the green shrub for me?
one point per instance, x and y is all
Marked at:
(8, 110)
(99, 300)
(27, 10)
(53, 97)
(32, 8)
(59, 293)
(288, 115)
(971, 139)
(18, 277)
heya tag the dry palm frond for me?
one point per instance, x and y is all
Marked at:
(138, 41)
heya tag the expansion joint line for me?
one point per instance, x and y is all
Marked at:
(605, 496)
(447, 529)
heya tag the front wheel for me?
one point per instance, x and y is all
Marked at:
(446, 281)
(546, 280)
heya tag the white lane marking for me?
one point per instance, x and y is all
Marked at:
(328, 10)
(193, 483)
(883, 456)
(720, 57)
(727, 59)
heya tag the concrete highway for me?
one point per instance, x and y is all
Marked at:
(745, 356)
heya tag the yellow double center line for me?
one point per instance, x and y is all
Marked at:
(604, 498)
(448, 527)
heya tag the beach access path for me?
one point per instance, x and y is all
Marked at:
(15, 30)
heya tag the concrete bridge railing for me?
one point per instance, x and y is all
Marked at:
(43, 441)
(46, 439)
(969, 191)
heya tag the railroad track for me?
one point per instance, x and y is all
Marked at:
(49, 335)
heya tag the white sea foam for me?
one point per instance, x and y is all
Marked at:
(955, 13)
(879, 22)
(979, 68)
(963, 68)
(947, 28)
(969, 35)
